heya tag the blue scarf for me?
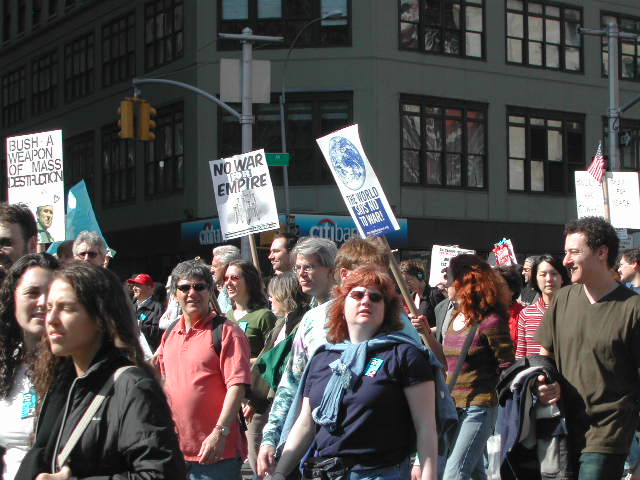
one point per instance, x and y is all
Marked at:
(347, 370)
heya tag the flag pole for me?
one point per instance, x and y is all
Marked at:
(605, 195)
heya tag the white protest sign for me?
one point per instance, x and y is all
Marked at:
(244, 194)
(624, 197)
(440, 257)
(35, 177)
(358, 182)
(505, 254)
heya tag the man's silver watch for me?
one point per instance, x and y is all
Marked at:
(224, 431)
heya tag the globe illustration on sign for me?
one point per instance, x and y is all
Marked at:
(347, 162)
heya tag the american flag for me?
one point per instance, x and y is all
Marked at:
(598, 167)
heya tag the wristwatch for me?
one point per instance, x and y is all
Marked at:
(224, 431)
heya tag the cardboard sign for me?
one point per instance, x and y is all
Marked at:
(35, 177)
(244, 194)
(358, 182)
(440, 258)
(505, 255)
(624, 197)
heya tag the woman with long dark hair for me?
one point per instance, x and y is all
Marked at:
(22, 311)
(91, 334)
(368, 397)
(548, 275)
(480, 312)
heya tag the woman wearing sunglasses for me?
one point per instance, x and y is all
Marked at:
(91, 334)
(22, 309)
(367, 395)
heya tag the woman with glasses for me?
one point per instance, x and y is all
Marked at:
(22, 310)
(91, 335)
(481, 314)
(367, 395)
(548, 275)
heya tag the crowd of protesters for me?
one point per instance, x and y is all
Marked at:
(320, 369)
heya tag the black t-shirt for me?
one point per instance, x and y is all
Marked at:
(376, 425)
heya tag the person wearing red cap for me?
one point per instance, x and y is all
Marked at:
(148, 310)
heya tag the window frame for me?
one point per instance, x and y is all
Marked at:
(152, 9)
(14, 111)
(152, 151)
(444, 104)
(50, 94)
(79, 159)
(122, 173)
(604, 43)
(83, 45)
(562, 45)
(422, 25)
(313, 30)
(115, 64)
(553, 115)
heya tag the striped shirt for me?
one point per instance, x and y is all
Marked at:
(490, 350)
(529, 320)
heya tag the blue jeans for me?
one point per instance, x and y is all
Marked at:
(601, 466)
(402, 471)
(465, 460)
(228, 469)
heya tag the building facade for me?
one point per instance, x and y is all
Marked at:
(474, 113)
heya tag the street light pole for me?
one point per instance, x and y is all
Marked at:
(335, 14)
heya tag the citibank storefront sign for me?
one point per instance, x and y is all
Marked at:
(338, 228)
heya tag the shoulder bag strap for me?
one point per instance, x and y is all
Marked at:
(88, 415)
(451, 381)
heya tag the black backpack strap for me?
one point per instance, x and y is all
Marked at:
(216, 333)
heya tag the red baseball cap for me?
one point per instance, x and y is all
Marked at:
(142, 279)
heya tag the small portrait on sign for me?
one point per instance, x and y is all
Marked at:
(44, 216)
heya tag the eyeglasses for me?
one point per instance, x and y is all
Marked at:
(306, 269)
(360, 294)
(235, 278)
(198, 287)
(89, 253)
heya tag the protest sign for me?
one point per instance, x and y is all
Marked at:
(244, 194)
(35, 177)
(358, 182)
(624, 197)
(505, 255)
(440, 257)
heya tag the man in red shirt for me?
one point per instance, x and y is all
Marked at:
(205, 388)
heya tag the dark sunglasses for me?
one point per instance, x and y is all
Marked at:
(198, 287)
(89, 254)
(359, 295)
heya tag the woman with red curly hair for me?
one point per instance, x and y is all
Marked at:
(479, 302)
(367, 395)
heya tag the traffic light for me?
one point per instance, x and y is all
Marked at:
(146, 123)
(126, 122)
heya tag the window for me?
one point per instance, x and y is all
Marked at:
(308, 116)
(443, 142)
(163, 32)
(79, 68)
(450, 27)
(118, 168)
(629, 143)
(118, 50)
(164, 157)
(287, 18)
(13, 97)
(6, 21)
(44, 86)
(53, 7)
(545, 148)
(36, 13)
(79, 160)
(22, 16)
(628, 48)
(542, 34)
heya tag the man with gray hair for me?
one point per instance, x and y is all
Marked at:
(222, 257)
(90, 247)
(313, 262)
(204, 362)
(528, 294)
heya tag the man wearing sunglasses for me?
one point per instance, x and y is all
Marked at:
(205, 384)
(90, 247)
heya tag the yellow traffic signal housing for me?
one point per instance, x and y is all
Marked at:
(126, 122)
(147, 124)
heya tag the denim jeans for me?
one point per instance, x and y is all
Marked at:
(228, 469)
(601, 466)
(466, 458)
(402, 471)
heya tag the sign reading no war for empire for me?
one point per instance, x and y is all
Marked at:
(35, 177)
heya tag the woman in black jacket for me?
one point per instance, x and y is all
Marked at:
(91, 334)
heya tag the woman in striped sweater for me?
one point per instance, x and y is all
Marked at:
(548, 275)
(479, 301)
